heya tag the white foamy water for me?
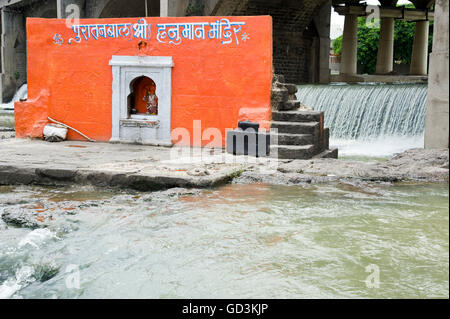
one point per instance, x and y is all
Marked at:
(20, 94)
(36, 238)
(369, 110)
(24, 276)
(31, 265)
(376, 120)
(383, 146)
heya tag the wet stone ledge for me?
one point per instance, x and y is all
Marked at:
(146, 168)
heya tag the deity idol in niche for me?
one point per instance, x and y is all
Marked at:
(152, 101)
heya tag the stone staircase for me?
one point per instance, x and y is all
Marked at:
(301, 133)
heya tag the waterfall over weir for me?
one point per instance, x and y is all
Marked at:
(375, 119)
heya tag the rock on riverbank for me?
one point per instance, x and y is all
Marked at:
(22, 210)
(411, 165)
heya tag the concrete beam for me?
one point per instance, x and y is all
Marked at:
(396, 13)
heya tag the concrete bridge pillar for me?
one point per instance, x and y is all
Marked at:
(172, 8)
(385, 56)
(419, 59)
(164, 8)
(437, 122)
(349, 45)
(322, 23)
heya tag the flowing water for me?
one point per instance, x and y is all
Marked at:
(370, 119)
(241, 241)
(7, 109)
(6, 119)
(21, 94)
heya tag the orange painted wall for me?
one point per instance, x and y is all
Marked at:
(216, 83)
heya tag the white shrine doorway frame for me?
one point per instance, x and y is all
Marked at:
(141, 128)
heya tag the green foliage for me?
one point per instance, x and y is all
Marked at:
(368, 43)
(337, 45)
(403, 41)
(367, 46)
(236, 173)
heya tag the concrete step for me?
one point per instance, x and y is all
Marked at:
(292, 151)
(312, 128)
(331, 153)
(292, 105)
(292, 139)
(292, 88)
(289, 105)
(297, 116)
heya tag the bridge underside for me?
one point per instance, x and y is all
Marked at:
(301, 28)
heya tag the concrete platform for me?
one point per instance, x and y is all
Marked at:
(112, 165)
(149, 168)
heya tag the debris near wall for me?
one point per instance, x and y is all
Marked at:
(55, 133)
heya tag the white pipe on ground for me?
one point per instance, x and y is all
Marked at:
(86, 137)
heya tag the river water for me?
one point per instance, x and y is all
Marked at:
(236, 241)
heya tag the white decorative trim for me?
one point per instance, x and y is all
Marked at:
(141, 128)
(136, 123)
(142, 61)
